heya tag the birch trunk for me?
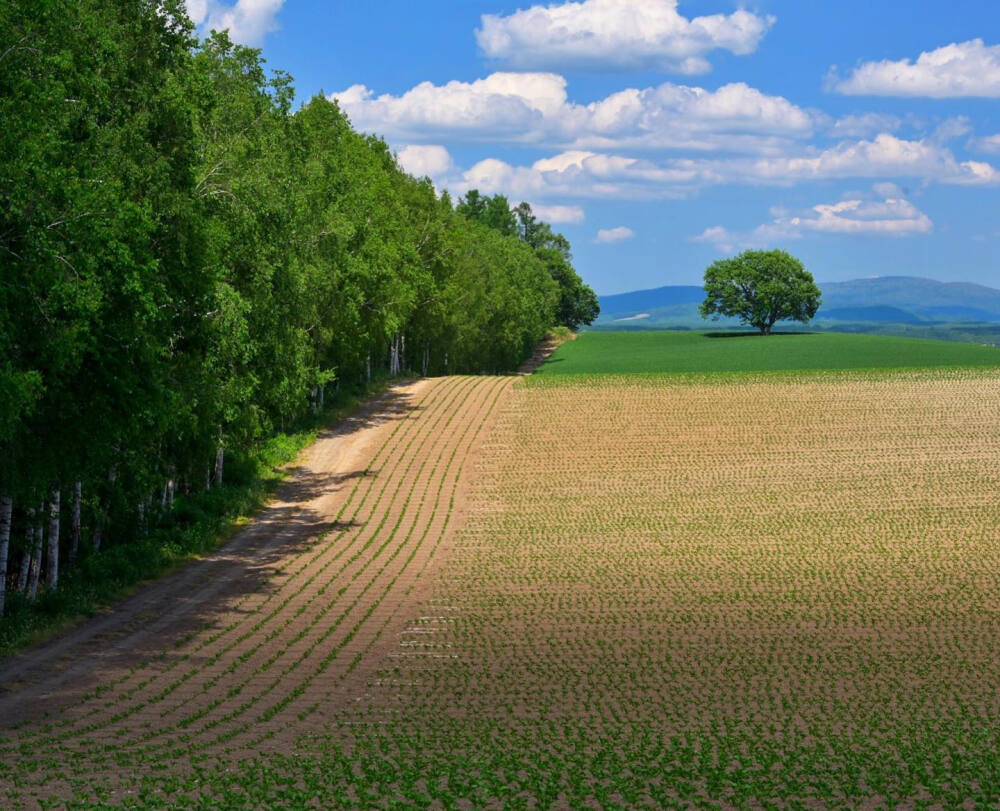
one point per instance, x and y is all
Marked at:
(368, 368)
(22, 578)
(220, 460)
(322, 397)
(75, 528)
(6, 508)
(52, 566)
(427, 359)
(35, 518)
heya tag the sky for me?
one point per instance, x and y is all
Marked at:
(661, 135)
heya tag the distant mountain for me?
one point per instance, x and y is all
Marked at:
(879, 314)
(884, 300)
(944, 301)
(652, 299)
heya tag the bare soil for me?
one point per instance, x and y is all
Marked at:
(283, 625)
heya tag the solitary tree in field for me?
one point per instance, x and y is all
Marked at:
(760, 288)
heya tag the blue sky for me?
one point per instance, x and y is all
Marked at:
(863, 137)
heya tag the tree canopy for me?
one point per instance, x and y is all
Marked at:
(760, 288)
(186, 263)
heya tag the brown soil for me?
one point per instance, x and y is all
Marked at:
(543, 351)
(287, 622)
(776, 564)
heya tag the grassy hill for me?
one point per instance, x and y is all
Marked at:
(663, 351)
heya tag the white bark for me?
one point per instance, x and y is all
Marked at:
(368, 368)
(6, 508)
(220, 460)
(322, 397)
(427, 360)
(35, 531)
(75, 528)
(52, 565)
(22, 578)
(98, 534)
(393, 356)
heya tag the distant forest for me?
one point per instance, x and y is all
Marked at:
(187, 266)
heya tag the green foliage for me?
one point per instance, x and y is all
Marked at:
(196, 525)
(760, 288)
(578, 304)
(666, 352)
(188, 265)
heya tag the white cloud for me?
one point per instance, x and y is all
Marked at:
(951, 128)
(620, 234)
(576, 174)
(890, 217)
(617, 35)
(248, 21)
(579, 174)
(864, 125)
(886, 190)
(954, 71)
(534, 108)
(559, 215)
(884, 156)
(986, 143)
(425, 161)
(723, 239)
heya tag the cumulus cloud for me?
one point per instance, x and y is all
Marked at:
(579, 174)
(620, 234)
(535, 108)
(425, 161)
(248, 21)
(617, 35)
(884, 156)
(889, 217)
(958, 70)
(576, 174)
(559, 215)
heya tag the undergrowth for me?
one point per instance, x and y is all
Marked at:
(199, 523)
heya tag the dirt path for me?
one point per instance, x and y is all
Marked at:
(285, 624)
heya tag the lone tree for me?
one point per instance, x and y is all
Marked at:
(760, 288)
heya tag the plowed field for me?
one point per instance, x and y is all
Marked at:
(777, 591)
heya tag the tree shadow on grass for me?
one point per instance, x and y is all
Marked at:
(749, 334)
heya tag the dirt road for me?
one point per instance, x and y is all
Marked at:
(284, 625)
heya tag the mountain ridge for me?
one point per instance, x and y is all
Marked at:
(876, 300)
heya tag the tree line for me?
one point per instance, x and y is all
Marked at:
(187, 266)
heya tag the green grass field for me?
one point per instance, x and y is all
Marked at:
(667, 352)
